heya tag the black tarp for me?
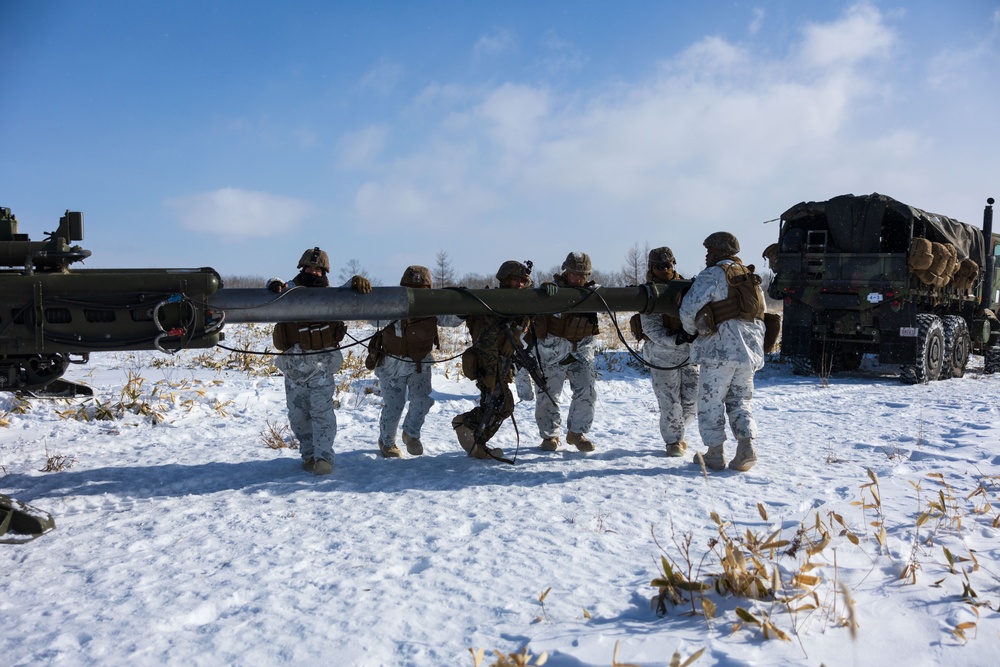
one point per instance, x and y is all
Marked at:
(863, 223)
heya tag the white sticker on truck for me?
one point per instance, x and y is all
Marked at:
(908, 332)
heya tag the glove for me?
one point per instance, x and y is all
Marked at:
(683, 337)
(550, 289)
(361, 285)
(276, 286)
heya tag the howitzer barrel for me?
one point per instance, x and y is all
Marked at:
(397, 303)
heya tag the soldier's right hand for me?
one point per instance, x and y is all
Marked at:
(550, 289)
(276, 286)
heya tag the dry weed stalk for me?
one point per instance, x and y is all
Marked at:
(541, 603)
(278, 437)
(519, 659)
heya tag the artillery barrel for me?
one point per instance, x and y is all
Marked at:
(396, 303)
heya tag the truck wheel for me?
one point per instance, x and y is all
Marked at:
(849, 360)
(801, 365)
(991, 360)
(956, 347)
(930, 351)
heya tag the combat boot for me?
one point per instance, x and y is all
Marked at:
(581, 441)
(746, 455)
(713, 459)
(677, 448)
(466, 436)
(484, 452)
(549, 444)
(390, 451)
(308, 464)
(413, 445)
(322, 467)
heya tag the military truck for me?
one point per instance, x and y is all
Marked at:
(870, 275)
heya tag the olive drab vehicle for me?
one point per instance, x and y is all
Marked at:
(52, 316)
(870, 275)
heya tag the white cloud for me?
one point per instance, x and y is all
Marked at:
(497, 43)
(239, 214)
(721, 135)
(361, 149)
(512, 116)
(560, 55)
(757, 22)
(859, 35)
(383, 77)
(972, 64)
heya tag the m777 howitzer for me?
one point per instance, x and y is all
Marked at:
(52, 316)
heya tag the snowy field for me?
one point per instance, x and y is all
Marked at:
(867, 532)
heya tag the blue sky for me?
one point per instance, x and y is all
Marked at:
(235, 134)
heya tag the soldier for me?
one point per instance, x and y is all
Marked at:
(310, 359)
(489, 362)
(725, 307)
(400, 355)
(666, 345)
(566, 345)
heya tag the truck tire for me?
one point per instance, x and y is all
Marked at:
(801, 365)
(930, 351)
(991, 360)
(957, 344)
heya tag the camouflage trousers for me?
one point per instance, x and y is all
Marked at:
(725, 391)
(582, 381)
(405, 384)
(525, 389)
(310, 385)
(503, 407)
(676, 393)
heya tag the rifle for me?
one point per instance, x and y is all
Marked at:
(522, 359)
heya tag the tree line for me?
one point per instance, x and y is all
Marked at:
(631, 272)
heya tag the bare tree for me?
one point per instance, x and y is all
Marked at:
(351, 269)
(607, 279)
(634, 268)
(477, 280)
(443, 273)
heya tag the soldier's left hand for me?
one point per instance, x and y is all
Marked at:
(361, 285)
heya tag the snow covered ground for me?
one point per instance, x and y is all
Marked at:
(189, 541)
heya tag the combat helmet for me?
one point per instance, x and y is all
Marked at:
(724, 242)
(660, 258)
(513, 268)
(316, 258)
(416, 276)
(577, 262)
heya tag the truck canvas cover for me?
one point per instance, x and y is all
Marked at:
(877, 224)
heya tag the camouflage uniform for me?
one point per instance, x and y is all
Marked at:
(310, 385)
(310, 360)
(488, 362)
(728, 360)
(565, 354)
(676, 390)
(404, 377)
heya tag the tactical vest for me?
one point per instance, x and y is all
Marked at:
(573, 327)
(489, 346)
(671, 324)
(419, 337)
(308, 335)
(745, 299)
